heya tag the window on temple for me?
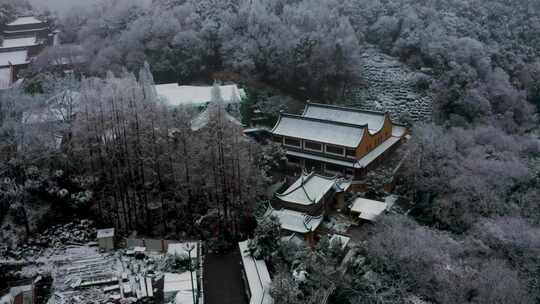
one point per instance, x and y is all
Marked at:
(310, 145)
(277, 139)
(334, 150)
(351, 153)
(292, 142)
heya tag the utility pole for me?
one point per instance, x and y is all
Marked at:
(189, 248)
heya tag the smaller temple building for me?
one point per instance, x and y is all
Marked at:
(22, 40)
(301, 208)
(337, 140)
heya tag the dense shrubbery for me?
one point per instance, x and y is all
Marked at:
(448, 269)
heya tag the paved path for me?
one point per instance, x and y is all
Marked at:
(223, 279)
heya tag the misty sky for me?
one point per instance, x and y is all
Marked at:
(60, 6)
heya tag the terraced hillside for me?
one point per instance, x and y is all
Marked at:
(390, 87)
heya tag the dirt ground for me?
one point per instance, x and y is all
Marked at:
(223, 279)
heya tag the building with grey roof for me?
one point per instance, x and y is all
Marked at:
(337, 140)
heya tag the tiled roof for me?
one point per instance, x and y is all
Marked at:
(329, 132)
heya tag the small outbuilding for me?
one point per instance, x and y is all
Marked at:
(368, 209)
(105, 239)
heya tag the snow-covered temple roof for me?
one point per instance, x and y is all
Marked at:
(309, 189)
(368, 209)
(25, 21)
(329, 132)
(257, 275)
(14, 58)
(295, 221)
(174, 95)
(19, 42)
(374, 120)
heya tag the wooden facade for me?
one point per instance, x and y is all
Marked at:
(333, 155)
(371, 141)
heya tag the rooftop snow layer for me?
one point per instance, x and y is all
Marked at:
(173, 94)
(19, 42)
(308, 189)
(257, 276)
(368, 209)
(296, 221)
(14, 58)
(378, 151)
(25, 21)
(374, 120)
(328, 132)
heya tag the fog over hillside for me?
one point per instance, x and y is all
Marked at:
(63, 6)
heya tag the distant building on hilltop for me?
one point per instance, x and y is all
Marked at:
(22, 40)
(175, 95)
(337, 140)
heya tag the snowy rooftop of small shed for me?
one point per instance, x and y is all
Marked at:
(257, 276)
(324, 131)
(309, 189)
(174, 95)
(25, 21)
(295, 221)
(14, 58)
(368, 209)
(103, 233)
(374, 120)
(19, 42)
(181, 249)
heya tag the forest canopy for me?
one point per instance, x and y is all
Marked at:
(471, 175)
